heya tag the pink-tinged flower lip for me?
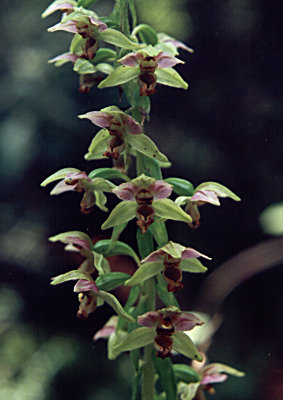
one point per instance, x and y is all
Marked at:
(84, 285)
(158, 255)
(205, 196)
(126, 191)
(77, 242)
(213, 378)
(63, 6)
(166, 60)
(104, 332)
(160, 189)
(69, 26)
(66, 56)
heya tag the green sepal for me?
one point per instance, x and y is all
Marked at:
(148, 166)
(105, 68)
(82, 66)
(132, 92)
(192, 265)
(187, 391)
(159, 232)
(144, 272)
(104, 54)
(219, 368)
(75, 234)
(186, 373)
(46, 12)
(165, 372)
(103, 185)
(170, 77)
(123, 212)
(111, 280)
(140, 337)
(146, 34)
(114, 303)
(220, 190)
(59, 175)
(145, 243)
(181, 186)
(122, 74)
(77, 44)
(100, 200)
(166, 297)
(98, 145)
(108, 173)
(146, 146)
(118, 39)
(181, 200)
(183, 344)
(103, 247)
(70, 276)
(166, 208)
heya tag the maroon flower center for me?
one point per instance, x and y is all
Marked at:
(145, 215)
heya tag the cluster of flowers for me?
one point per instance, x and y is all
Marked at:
(136, 68)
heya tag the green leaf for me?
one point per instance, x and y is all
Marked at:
(103, 247)
(192, 265)
(121, 75)
(84, 67)
(220, 190)
(145, 243)
(170, 77)
(103, 185)
(108, 173)
(114, 303)
(140, 337)
(100, 200)
(181, 186)
(104, 54)
(146, 146)
(59, 175)
(132, 298)
(146, 34)
(166, 376)
(159, 232)
(166, 297)
(148, 166)
(123, 212)
(132, 9)
(144, 272)
(118, 39)
(70, 276)
(166, 208)
(186, 373)
(98, 145)
(111, 280)
(105, 68)
(183, 344)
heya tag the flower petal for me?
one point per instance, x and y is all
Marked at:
(107, 329)
(125, 191)
(86, 286)
(213, 378)
(192, 253)
(98, 145)
(205, 196)
(219, 190)
(133, 127)
(217, 368)
(98, 118)
(69, 26)
(149, 319)
(62, 187)
(130, 60)
(71, 276)
(185, 321)
(166, 60)
(73, 237)
(160, 189)
(58, 5)
(154, 257)
(59, 175)
(63, 58)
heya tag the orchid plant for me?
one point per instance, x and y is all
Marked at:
(138, 62)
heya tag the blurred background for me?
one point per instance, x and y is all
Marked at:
(225, 128)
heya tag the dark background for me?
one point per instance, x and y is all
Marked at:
(225, 128)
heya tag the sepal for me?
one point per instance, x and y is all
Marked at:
(120, 76)
(70, 276)
(182, 187)
(59, 175)
(183, 344)
(146, 146)
(144, 272)
(140, 337)
(123, 212)
(170, 77)
(167, 209)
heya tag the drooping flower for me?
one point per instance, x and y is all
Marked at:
(164, 38)
(150, 66)
(172, 258)
(207, 192)
(78, 181)
(121, 134)
(164, 328)
(144, 197)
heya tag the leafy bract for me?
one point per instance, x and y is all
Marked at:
(123, 212)
(166, 208)
(170, 77)
(183, 344)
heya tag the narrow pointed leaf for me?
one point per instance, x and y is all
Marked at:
(165, 372)
(123, 212)
(159, 231)
(118, 39)
(145, 243)
(144, 272)
(111, 280)
(59, 175)
(183, 344)
(114, 303)
(140, 337)
(166, 208)
(146, 146)
(220, 190)
(108, 173)
(166, 297)
(98, 145)
(170, 77)
(70, 276)
(132, 298)
(192, 265)
(181, 186)
(103, 246)
(186, 373)
(121, 75)
(146, 34)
